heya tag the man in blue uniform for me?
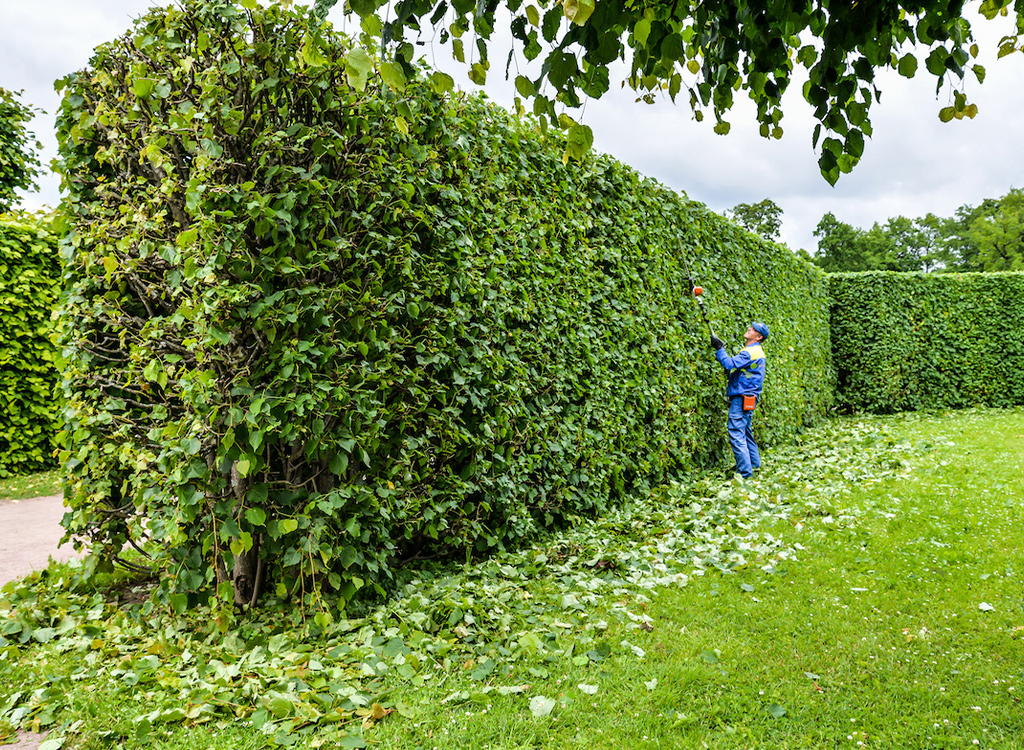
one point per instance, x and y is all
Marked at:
(746, 379)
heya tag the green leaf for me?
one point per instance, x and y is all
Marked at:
(855, 143)
(672, 47)
(936, 61)
(478, 73)
(807, 55)
(44, 635)
(907, 66)
(441, 83)
(393, 76)
(580, 140)
(310, 52)
(525, 86)
(776, 710)
(143, 87)
(179, 602)
(991, 8)
(256, 516)
(152, 370)
(358, 68)
(641, 31)
(578, 11)
(541, 706)
(551, 23)
(349, 556)
(339, 464)
(278, 704)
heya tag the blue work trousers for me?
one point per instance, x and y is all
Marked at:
(741, 438)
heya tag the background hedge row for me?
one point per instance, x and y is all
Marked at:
(321, 325)
(904, 342)
(29, 284)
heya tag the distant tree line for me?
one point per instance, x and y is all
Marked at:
(19, 165)
(986, 237)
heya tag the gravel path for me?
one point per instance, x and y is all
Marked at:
(26, 741)
(30, 533)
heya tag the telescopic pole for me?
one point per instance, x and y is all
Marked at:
(697, 292)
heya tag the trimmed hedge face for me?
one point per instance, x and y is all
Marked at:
(29, 411)
(332, 329)
(905, 342)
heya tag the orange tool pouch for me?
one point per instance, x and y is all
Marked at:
(749, 402)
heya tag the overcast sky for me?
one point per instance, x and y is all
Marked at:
(912, 165)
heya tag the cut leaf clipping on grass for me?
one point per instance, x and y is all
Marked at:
(541, 706)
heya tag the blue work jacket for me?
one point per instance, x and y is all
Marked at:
(746, 370)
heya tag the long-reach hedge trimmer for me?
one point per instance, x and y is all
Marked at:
(697, 292)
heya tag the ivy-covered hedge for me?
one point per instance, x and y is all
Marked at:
(324, 320)
(29, 283)
(904, 342)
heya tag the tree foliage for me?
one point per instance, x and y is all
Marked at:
(998, 234)
(986, 237)
(326, 319)
(19, 165)
(764, 218)
(705, 51)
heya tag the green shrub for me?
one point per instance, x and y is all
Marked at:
(19, 165)
(29, 273)
(318, 329)
(904, 342)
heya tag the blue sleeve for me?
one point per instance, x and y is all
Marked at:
(732, 363)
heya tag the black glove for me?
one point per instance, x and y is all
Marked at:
(716, 342)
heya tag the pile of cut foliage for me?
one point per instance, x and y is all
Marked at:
(500, 624)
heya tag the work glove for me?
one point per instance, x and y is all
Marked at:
(716, 342)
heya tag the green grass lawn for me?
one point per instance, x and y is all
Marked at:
(35, 485)
(865, 591)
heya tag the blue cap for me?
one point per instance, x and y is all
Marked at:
(762, 329)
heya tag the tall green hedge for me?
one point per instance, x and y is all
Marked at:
(29, 282)
(904, 342)
(321, 325)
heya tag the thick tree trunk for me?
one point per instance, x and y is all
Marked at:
(246, 577)
(247, 574)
